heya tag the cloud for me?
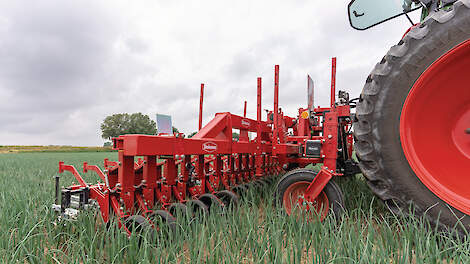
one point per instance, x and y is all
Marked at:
(66, 65)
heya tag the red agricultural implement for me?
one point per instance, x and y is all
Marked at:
(207, 170)
(411, 137)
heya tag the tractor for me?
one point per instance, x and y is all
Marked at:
(412, 121)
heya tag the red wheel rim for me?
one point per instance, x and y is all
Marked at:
(294, 196)
(433, 127)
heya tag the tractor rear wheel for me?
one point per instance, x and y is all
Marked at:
(412, 117)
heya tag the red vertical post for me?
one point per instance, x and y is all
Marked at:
(126, 178)
(243, 132)
(244, 110)
(126, 172)
(239, 167)
(233, 179)
(184, 169)
(150, 171)
(276, 104)
(218, 167)
(170, 171)
(258, 104)
(201, 99)
(258, 161)
(333, 81)
(201, 172)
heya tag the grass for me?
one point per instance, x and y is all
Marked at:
(257, 232)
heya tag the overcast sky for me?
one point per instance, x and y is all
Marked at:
(66, 65)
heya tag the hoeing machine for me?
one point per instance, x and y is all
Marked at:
(209, 170)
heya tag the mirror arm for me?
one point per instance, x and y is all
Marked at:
(409, 19)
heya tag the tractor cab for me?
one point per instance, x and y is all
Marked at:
(364, 14)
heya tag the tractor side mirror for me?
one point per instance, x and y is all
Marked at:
(364, 14)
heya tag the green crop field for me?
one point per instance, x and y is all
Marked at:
(257, 232)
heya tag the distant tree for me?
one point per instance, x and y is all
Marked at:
(192, 134)
(235, 136)
(121, 124)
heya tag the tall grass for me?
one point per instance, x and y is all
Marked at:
(257, 232)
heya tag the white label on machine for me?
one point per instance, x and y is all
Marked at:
(245, 123)
(209, 147)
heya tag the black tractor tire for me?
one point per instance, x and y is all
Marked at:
(197, 208)
(377, 127)
(137, 223)
(140, 226)
(240, 190)
(178, 210)
(162, 217)
(211, 201)
(229, 198)
(332, 190)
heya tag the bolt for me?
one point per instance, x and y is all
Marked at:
(467, 130)
(330, 136)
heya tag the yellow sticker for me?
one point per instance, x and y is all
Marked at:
(304, 115)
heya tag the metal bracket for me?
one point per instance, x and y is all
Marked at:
(318, 184)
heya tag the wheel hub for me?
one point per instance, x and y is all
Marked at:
(460, 133)
(294, 197)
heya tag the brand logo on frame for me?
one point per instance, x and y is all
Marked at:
(245, 123)
(209, 147)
